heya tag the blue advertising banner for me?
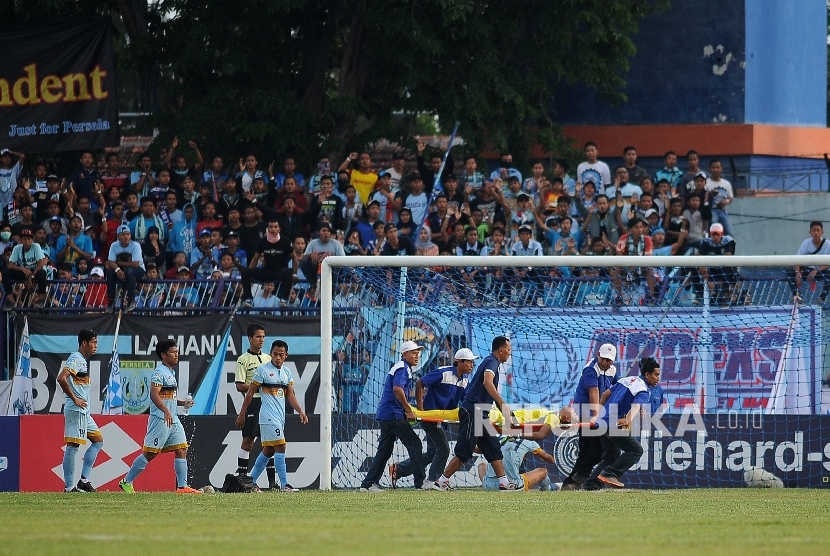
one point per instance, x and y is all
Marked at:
(9, 454)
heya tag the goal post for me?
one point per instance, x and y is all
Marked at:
(734, 343)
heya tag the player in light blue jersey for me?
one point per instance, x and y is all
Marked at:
(514, 451)
(78, 422)
(165, 432)
(274, 382)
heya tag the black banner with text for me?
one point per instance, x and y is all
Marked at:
(57, 86)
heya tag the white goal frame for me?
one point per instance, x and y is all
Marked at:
(330, 263)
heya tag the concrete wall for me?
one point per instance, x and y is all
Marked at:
(777, 224)
(786, 62)
(709, 61)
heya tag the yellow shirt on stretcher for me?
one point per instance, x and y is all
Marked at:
(536, 415)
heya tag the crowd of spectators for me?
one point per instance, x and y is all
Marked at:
(196, 220)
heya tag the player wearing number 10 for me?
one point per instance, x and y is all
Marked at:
(275, 384)
(165, 432)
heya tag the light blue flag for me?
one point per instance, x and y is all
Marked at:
(114, 400)
(204, 400)
(20, 400)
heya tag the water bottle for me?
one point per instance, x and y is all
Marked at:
(188, 400)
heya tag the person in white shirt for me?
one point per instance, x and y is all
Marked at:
(593, 168)
(721, 196)
(622, 185)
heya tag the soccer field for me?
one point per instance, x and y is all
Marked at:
(702, 521)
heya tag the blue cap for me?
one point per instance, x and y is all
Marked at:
(123, 228)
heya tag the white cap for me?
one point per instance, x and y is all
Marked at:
(97, 271)
(649, 212)
(465, 354)
(410, 346)
(716, 227)
(608, 351)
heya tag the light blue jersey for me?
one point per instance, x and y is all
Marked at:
(78, 382)
(164, 377)
(273, 385)
(514, 452)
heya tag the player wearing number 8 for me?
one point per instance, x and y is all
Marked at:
(165, 432)
(274, 382)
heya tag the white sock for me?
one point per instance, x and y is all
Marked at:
(443, 480)
(503, 481)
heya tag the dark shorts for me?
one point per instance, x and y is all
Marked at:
(467, 441)
(251, 428)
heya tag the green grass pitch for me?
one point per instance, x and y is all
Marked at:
(470, 522)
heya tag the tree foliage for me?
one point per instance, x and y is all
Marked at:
(311, 76)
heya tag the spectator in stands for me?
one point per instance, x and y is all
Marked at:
(702, 205)
(210, 219)
(674, 222)
(216, 173)
(27, 213)
(390, 202)
(275, 251)
(248, 171)
(397, 170)
(623, 184)
(429, 172)
(266, 298)
(440, 223)
(491, 203)
(635, 173)
(670, 171)
(125, 264)
(183, 236)
(238, 255)
(114, 178)
(721, 280)
(41, 239)
(374, 245)
(179, 260)
(95, 296)
(54, 193)
(632, 244)
(289, 167)
(144, 178)
(230, 196)
(533, 185)
(180, 168)
(301, 283)
(720, 195)
(318, 249)
(82, 181)
(505, 170)
(396, 245)
(424, 245)
(9, 175)
(593, 169)
(201, 259)
(323, 169)
(153, 249)
(584, 198)
(569, 242)
(686, 181)
(361, 177)
(661, 195)
(292, 220)
(146, 220)
(528, 247)
(353, 245)
(471, 180)
(813, 245)
(417, 200)
(27, 266)
(75, 244)
(326, 206)
(81, 270)
(152, 294)
(457, 238)
(366, 226)
(252, 231)
(291, 190)
(406, 225)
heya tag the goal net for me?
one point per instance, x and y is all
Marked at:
(742, 357)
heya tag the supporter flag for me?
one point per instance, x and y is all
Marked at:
(114, 400)
(204, 400)
(791, 392)
(20, 400)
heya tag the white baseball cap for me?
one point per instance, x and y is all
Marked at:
(410, 346)
(716, 227)
(465, 354)
(608, 351)
(97, 271)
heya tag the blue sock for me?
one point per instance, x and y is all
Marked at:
(180, 465)
(259, 466)
(89, 459)
(279, 464)
(69, 467)
(135, 470)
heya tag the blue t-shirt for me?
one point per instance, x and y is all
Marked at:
(476, 393)
(389, 409)
(625, 393)
(165, 377)
(593, 377)
(655, 397)
(445, 388)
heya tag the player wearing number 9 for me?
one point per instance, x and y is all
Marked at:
(274, 382)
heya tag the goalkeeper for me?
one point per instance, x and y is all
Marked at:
(444, 389)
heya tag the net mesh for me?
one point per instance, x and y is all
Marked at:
(742, 365)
